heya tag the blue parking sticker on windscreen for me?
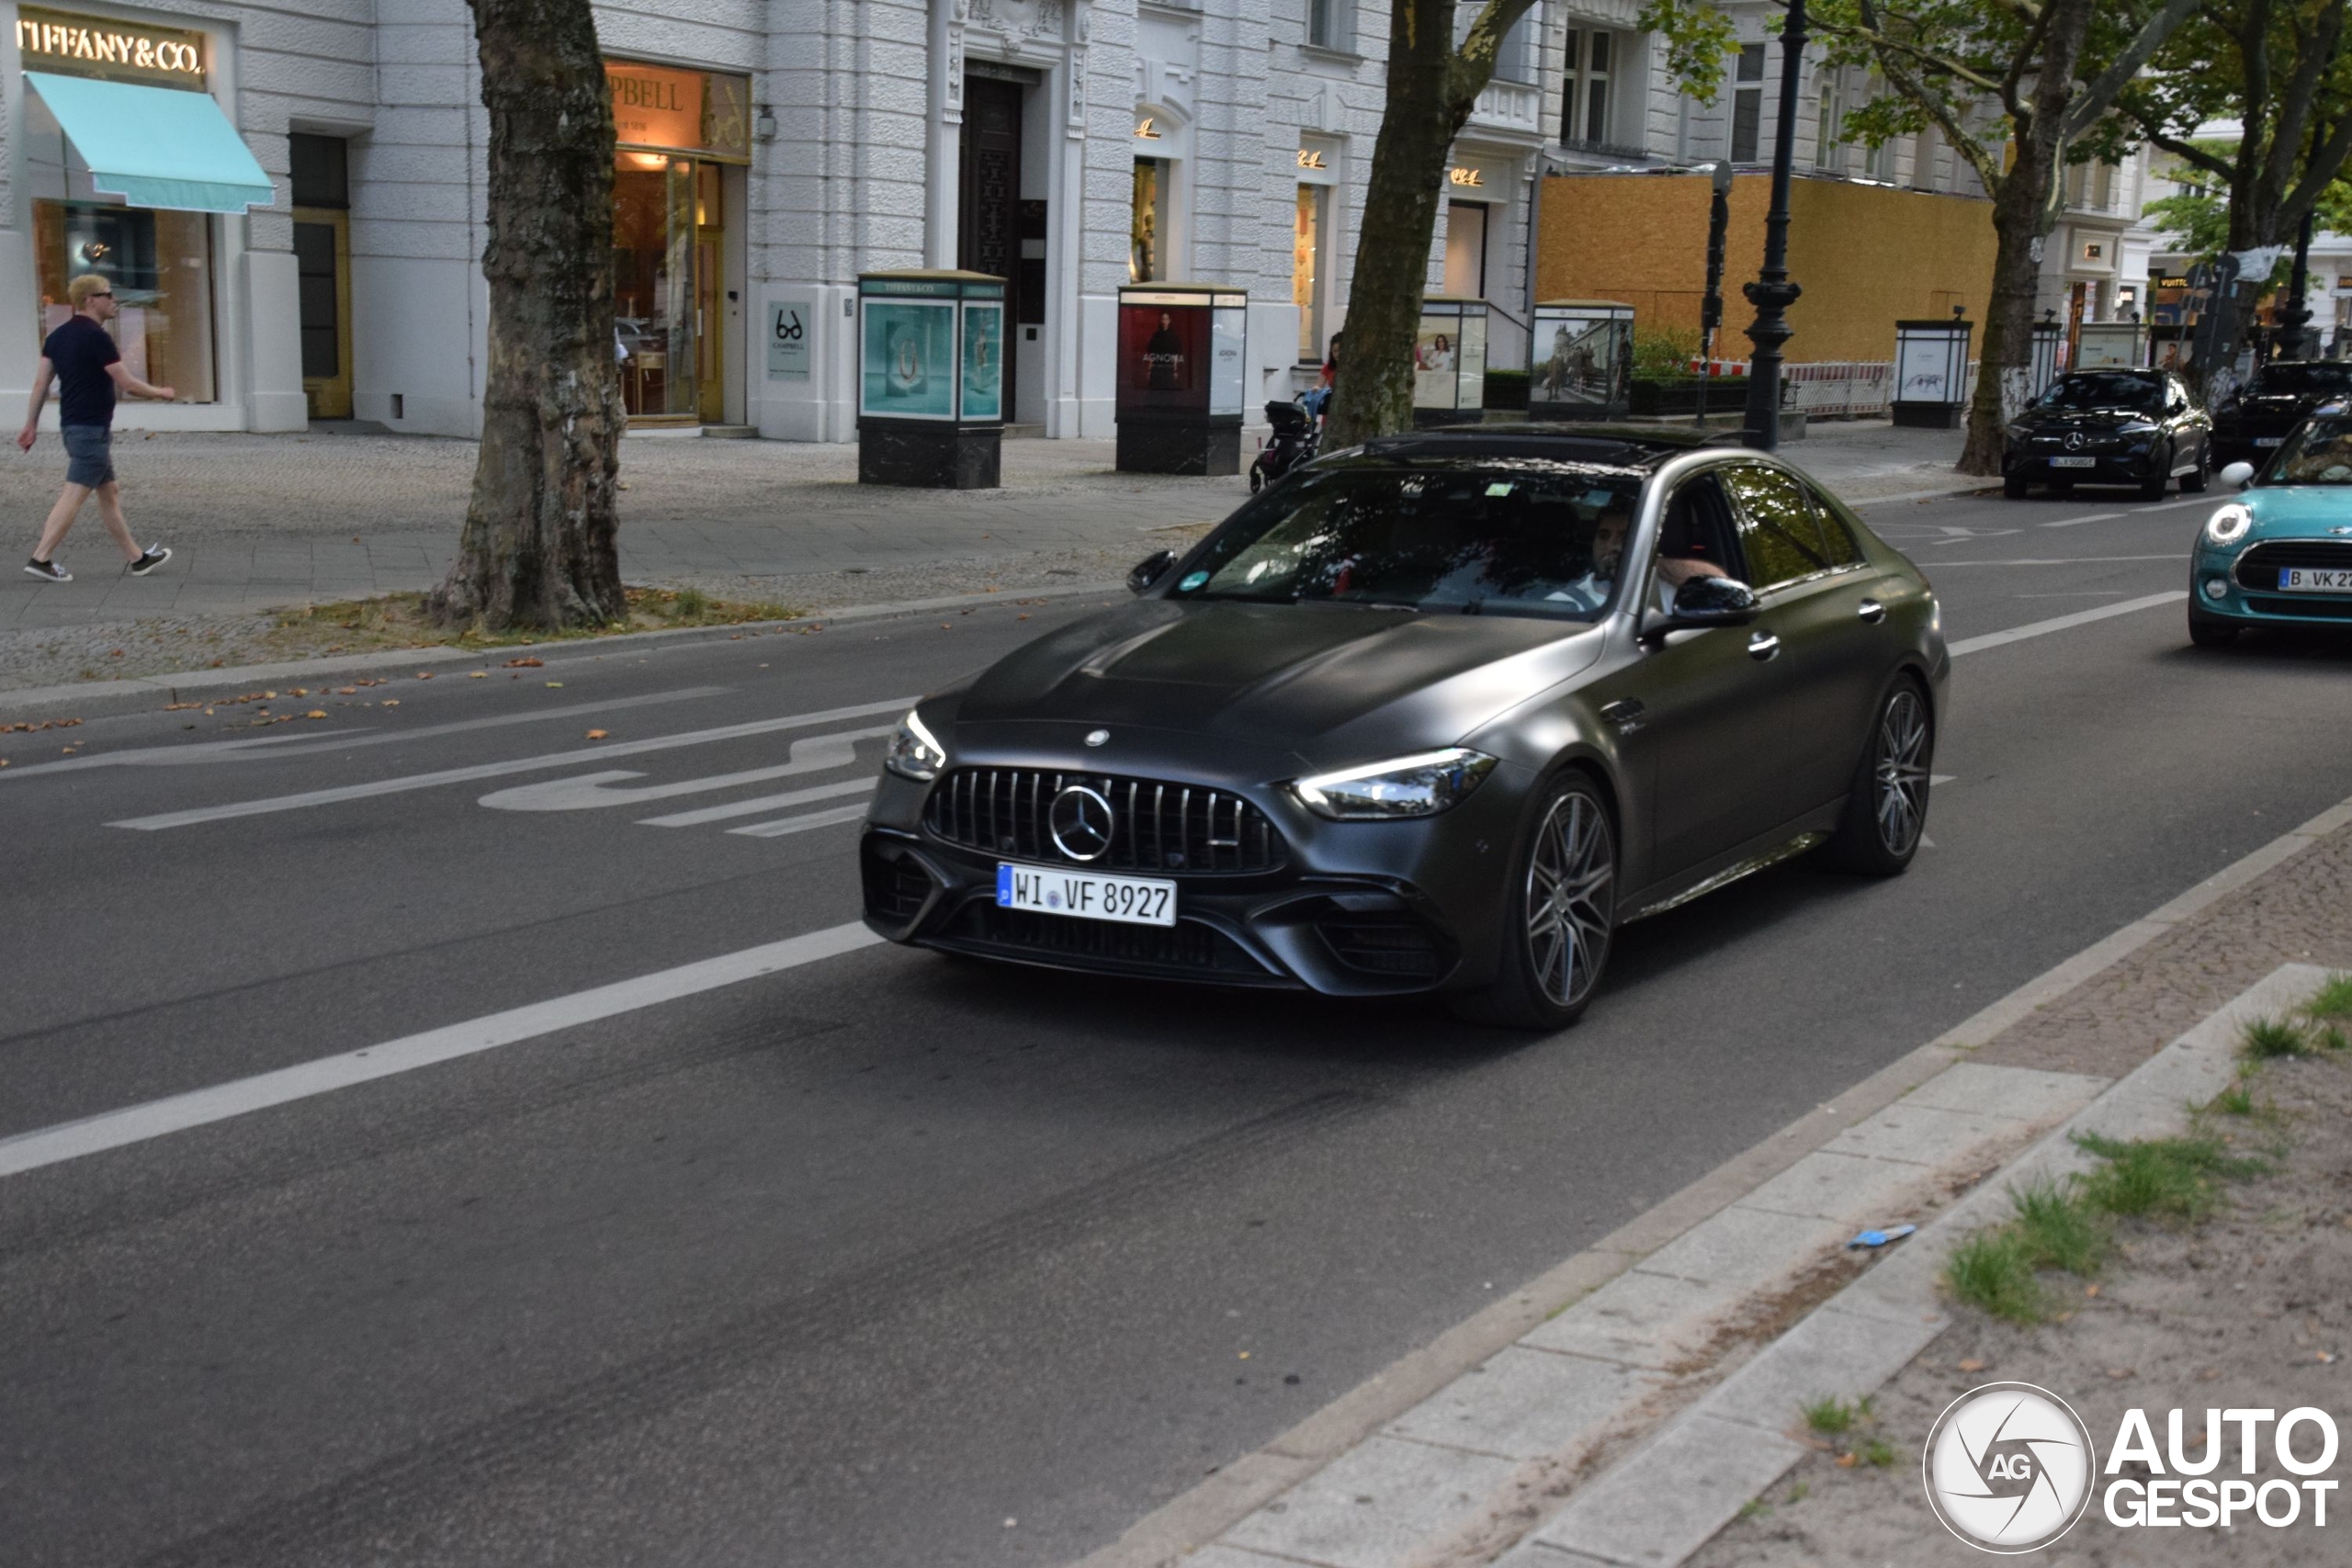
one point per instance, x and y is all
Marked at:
(1003, 886)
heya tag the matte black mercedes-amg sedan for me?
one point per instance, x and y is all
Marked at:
(1435, 713)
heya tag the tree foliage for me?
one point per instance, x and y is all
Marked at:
(1434, 78)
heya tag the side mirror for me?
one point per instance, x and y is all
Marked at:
(1150, 570)
(2236, 475)
(1706, 601)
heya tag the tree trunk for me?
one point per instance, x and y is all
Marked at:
(1373, 395)
(2023, 213)
(539, 549)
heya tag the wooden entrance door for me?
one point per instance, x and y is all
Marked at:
(323, 286)
(988, 238)
(710, 308)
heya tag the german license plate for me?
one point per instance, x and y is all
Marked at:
(2269, 440)
(1086, 894)
(2313, 580)
(2074, 462)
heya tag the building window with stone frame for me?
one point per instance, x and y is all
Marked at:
(1829, 132)
(1588, 66)
(1747, 104)
(1515, 56)
(1331, 23)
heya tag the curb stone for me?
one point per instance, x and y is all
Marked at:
(142, 688)
(1667, 1499)
(1194, 1527)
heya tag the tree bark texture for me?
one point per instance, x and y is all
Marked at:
(2023, 214)
(539, 549)
(1433, 87)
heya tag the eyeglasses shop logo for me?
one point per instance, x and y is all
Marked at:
(2009, 1468)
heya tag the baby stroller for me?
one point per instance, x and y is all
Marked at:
(1297, 434)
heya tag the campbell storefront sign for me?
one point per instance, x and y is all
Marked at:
(100, 45)
(674, 110)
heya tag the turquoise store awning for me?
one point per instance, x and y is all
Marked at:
(156, 146)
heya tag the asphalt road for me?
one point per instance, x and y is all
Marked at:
(883, 1258)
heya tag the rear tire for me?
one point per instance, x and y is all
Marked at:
(1559, 914)
(2013, 487)
(2152, 488)
(2194, 484)
(1886, 809)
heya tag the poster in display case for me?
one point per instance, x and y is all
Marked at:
(983, 390)
(908, 353)
(1182, 377)
(930, 394)
(1449, 361)
(1582, 360)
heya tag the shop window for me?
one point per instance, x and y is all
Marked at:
(1148, 223)
(1584, 89)
(1465, 250)
(1748, 103)
(1306, 273)
(159, 264)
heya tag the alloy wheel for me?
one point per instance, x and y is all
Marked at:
(1901, 771)
(1571, 897)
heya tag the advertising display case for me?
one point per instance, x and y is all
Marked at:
(1182, 378)
(1581, 360)
(930, 379)
(2113, 346)
(1932, 373)
(1449, 362)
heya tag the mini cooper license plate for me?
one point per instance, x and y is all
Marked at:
(2313, 580)
(1088, 895)
(2074, 462)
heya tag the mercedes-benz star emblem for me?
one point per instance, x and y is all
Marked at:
(1079, 820)
(1098, 737)
(2074, 441)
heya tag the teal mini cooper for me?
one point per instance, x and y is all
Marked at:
(2280, 555)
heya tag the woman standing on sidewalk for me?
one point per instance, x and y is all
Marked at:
(82, 358)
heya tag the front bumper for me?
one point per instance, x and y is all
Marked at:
(1356, 908)
(2218, 592)
(2106, 467)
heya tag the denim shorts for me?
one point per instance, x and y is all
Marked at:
(89, 455)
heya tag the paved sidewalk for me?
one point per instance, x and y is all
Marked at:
(258, 523)
(1645, 1390)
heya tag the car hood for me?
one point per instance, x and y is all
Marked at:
(2288, 510)
(2284, 406)
(2086, 418)
(1324, 684)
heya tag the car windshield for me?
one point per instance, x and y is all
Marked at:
(2143, 393)
(1537, 538)
(2318, 452)
(2291, 380)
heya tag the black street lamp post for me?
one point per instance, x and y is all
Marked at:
(1710, 307)
(1772, 292)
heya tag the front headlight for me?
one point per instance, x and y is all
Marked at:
(915, 753)
(2228, 524)
(1407, 786)
(2137, 427)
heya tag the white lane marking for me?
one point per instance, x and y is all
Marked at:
(2176, 505)
(2060, 623)
(2059, 560)
(777, 829)
(762, 802)
(1934, 779)
(314, 741)
(814, 754)
(178, 1112)
(2086, 517)
(498, 770)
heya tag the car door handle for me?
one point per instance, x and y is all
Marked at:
(1763, 647)
(1625, 714)
(1872, 611)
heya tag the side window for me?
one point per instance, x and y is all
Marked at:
(1697, 527)
(1778, 531)
(1836, 539)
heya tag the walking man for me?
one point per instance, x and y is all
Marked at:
(87, 367)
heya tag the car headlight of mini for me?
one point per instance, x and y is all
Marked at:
(1421, 785)
(2228, 524)
(915, 753)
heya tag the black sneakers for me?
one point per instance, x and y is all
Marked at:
(149, 560)
(48, 571)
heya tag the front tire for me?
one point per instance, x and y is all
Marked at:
(1886, 809)
(2194, 484)
(1560, 913)
(2014, 486)
(2152, 488)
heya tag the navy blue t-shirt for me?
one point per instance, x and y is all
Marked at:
(81, 350)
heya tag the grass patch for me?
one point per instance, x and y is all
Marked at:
(2335, 1000)
(2235, 1100)
(2270, 1039)
(1992, 1272)
(1836, 1417)
(1877, 1452)
(398, 620)
(2161, 1178)
(2058, 1230)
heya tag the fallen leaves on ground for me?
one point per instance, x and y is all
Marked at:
(525, 663)
(596, 735)
(316, 713)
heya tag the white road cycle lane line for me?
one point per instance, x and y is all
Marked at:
(498, 770)
(2063, 623)
(200, 1108)
(586, 792)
